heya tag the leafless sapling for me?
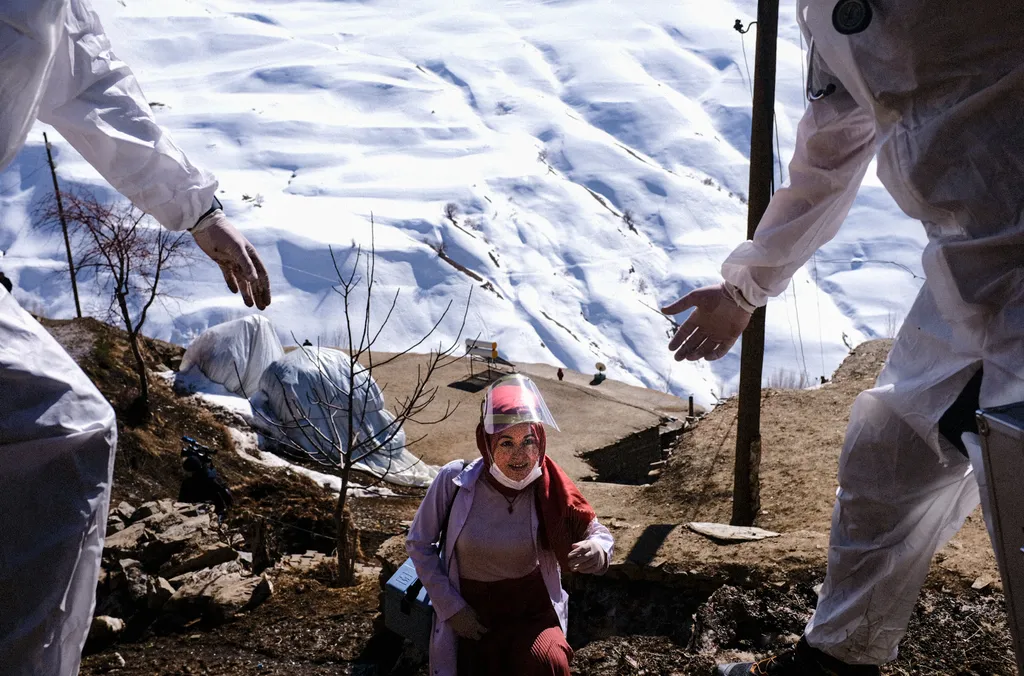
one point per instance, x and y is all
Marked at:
(128, 255)
(330, 422)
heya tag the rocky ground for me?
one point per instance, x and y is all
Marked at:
(169, 565)
(184, 596)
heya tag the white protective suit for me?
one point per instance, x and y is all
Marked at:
(56, 65)
(57, 439)
(936, 89)
(57, 433)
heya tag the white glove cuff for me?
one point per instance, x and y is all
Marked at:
(207, 218)
(737, 297)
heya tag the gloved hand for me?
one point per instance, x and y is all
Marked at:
(243, 270)
(587, 557)
(467, 625)
(712, 328)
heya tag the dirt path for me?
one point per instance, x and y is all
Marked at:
(589, 418)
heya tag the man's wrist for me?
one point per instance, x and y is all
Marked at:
(213, 207)
(737, 297)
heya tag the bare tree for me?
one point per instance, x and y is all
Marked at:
(328, 423)
(627, 218)
(128, 256)
(451, 212)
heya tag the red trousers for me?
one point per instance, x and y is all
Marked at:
(523, 637)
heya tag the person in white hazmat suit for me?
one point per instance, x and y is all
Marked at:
(57, 433)
(935, 90)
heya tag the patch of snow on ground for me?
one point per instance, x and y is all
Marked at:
(247, 446)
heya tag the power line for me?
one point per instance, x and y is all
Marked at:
(792, 336)
(817, 300)
(743, 44)
(799, 330)
(778, 154)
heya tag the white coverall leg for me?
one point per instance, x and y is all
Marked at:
(57, 440)
(902, 494)
(57, 433)
(935, 89)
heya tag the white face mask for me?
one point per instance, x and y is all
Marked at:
(515, 485)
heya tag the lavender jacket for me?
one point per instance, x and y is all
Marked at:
(442, 586)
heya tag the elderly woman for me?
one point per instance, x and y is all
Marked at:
(513, 521)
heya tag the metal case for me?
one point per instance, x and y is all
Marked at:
(410, 618)
(1002, 433)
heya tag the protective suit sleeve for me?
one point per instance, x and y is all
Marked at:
(94, 101)
(29, 31)
(835, 144)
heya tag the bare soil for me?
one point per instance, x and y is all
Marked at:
(589, 417)
(148, 462)
(674, 602)
(960, 633)
(802, 436)
(305, 628)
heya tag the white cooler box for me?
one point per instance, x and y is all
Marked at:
(407, 608)
(1002, 434)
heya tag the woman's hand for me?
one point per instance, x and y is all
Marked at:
(467, 625)
(586, 557)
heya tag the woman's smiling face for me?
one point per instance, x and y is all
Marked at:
(516, 451)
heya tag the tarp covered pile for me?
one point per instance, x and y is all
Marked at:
(302, 398)
(235, 354)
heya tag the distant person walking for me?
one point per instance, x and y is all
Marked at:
(561, 374)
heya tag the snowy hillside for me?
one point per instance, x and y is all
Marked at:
(544, 121)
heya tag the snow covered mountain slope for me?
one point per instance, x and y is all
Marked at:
(596, 152)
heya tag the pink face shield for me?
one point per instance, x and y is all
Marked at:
(513, 400)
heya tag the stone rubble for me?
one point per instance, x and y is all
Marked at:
(169, 563)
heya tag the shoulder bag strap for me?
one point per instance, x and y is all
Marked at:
(414, 589)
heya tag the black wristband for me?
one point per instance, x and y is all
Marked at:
(216, 205)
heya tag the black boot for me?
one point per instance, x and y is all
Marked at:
(803, 660)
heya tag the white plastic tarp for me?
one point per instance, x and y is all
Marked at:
(235, 354)
(307, 391)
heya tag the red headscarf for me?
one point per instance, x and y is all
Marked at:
(564, 513)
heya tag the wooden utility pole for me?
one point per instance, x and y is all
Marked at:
(63, 225)
(747, 485)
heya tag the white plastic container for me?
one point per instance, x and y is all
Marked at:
(1002, 434)
(408, 615)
